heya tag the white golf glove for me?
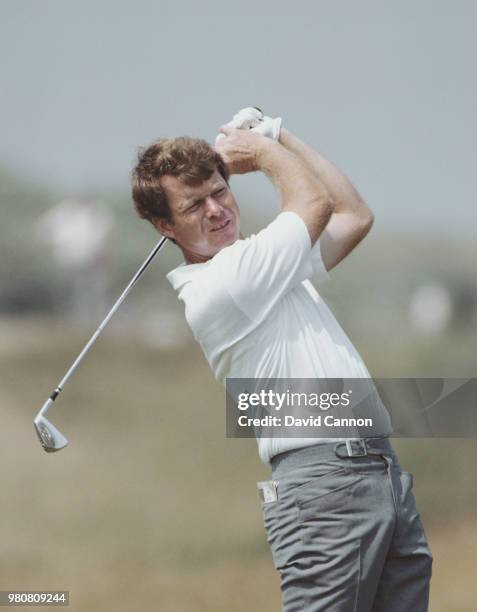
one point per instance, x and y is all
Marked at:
(252, 118)
(246, 118)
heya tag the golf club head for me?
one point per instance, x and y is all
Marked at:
(51, 439)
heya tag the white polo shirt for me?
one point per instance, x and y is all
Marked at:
(255, 313)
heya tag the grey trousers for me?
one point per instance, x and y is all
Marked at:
(344, 531)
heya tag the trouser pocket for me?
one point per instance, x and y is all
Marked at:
(325, 506)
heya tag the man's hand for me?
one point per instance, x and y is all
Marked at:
(252, 118)
(246, 119)
(241, 150)
(269, 127)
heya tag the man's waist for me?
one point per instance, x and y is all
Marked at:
(342, 448)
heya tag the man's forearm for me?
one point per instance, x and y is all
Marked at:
(301, 189)
(346, 198)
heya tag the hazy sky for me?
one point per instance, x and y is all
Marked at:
(385, 89)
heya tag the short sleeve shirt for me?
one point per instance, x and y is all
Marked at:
(256, 314)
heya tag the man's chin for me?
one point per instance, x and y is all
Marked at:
(215, 242)
(225, 239)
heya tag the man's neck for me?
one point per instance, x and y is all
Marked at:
(191, 257)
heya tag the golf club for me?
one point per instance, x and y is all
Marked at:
(51, 439)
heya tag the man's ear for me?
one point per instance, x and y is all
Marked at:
(164, 227)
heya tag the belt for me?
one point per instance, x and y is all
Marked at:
(350, 448)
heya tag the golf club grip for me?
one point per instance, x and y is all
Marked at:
(105, 321)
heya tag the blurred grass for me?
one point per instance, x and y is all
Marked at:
(151, 507)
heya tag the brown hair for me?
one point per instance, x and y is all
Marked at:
(192, 160)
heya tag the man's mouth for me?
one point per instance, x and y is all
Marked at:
(220, 226)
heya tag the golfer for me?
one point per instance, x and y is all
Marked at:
(340, 514)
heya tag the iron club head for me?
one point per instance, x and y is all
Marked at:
(51, 439)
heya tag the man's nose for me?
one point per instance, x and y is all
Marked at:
(212, 207)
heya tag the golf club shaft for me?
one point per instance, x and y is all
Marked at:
(106, 320)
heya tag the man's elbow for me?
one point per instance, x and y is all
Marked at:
(323, 207)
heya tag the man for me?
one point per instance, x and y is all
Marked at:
(340, 515)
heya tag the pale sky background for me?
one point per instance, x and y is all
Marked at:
(386, 89)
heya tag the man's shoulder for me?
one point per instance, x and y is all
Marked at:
(199, 272)
(183, 274)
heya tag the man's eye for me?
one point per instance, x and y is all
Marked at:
(220, 192)
(193, 207)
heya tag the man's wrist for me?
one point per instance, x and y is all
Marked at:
(267, 152)
(288, 140)
(284, 136)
